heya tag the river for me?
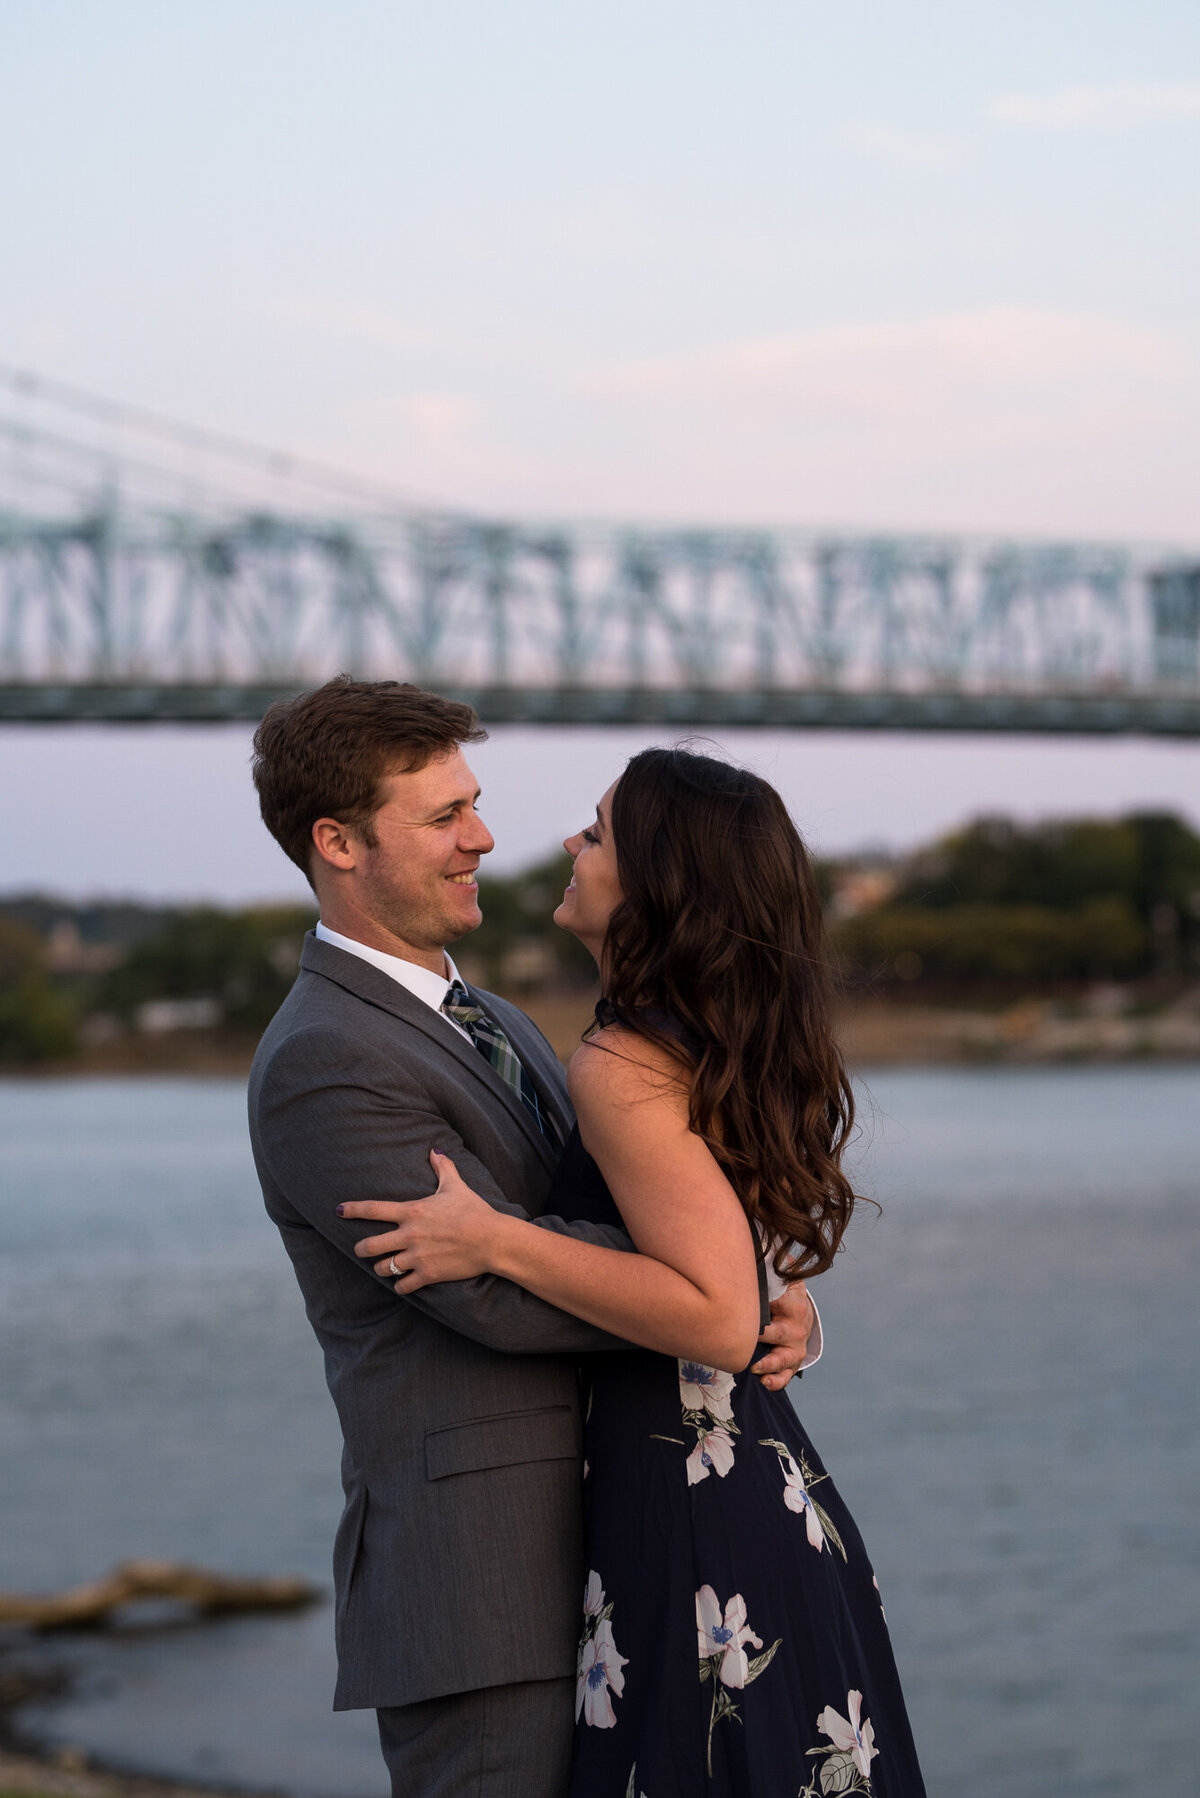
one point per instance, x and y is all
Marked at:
(1008, 1401)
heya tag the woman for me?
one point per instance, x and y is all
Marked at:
(733, 1641)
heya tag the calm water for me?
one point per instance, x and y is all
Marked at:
(1009, 1402)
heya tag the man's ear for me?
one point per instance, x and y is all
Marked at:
(333, 844)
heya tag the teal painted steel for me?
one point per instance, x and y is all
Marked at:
(134, 586)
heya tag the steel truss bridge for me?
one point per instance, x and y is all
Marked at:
(139, 591)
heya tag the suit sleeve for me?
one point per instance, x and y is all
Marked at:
(327, 1128)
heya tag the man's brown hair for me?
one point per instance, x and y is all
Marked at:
(325, 754)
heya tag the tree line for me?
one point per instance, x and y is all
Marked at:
(1044, 906)
(995, 910)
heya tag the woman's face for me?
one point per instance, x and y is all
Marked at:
(595, 890)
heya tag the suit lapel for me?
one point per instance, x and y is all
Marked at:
(373, 987)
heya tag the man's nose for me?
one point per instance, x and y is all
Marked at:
(477, 837)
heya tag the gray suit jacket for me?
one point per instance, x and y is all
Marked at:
(458, 1560)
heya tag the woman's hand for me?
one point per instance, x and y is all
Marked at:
(444, 1237)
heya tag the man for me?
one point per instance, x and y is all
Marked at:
(458, 1560)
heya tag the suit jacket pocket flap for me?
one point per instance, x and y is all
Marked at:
(551, 1434)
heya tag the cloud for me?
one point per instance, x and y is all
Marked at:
(893, 368)
(366, 324)
(1116, 106)
(892, 143)
(1021, 418)
(441, 417)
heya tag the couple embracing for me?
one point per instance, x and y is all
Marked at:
(543, 1302)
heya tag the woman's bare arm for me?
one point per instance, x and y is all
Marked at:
(692, 1288)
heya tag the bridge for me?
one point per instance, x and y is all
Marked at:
(150, 571)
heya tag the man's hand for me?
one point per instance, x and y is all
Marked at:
(789, 1329)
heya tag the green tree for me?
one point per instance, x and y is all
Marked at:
(994, 861)
(244, 960)
(1076, 899)
(1167, 891)
(983, 945)
(35, 1024)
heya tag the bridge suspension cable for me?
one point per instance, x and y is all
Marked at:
(201, 583)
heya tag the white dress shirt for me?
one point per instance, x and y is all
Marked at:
(422, 983)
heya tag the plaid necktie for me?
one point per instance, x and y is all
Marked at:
(492, 1043)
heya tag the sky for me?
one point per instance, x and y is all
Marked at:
(170, 813)
(912, 267)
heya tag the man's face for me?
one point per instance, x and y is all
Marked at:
(417, 882)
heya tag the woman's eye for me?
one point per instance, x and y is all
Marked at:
(589, 836)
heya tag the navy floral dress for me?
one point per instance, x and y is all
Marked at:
(734, 1643)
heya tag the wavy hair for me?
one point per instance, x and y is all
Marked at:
(719, 930)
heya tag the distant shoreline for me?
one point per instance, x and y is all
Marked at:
(1095, 1028)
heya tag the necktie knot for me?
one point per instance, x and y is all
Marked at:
(459, 1005)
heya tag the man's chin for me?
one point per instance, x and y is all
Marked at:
(463, 924)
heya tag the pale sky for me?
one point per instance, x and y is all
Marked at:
(171, 813)
(914, 267)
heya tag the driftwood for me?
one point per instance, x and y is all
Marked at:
(211, 1594)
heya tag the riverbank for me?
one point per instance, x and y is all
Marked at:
(66, 1772)
(1103, 1024)
(1106, 1025)
(70, 1776)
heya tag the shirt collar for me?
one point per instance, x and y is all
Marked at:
(421, 982)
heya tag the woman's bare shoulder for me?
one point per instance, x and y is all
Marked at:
(617, 1067)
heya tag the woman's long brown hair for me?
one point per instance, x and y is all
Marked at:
(720, 930)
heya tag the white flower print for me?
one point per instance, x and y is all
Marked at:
(798, 1483)
(721, 1638)
(854, 1735)
(796, 1498)
(706, 1395)
(706, 1389)
(713, 1453)
(725, 1635)
(599, 1668)
(599, 1673)
(845, 1766)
